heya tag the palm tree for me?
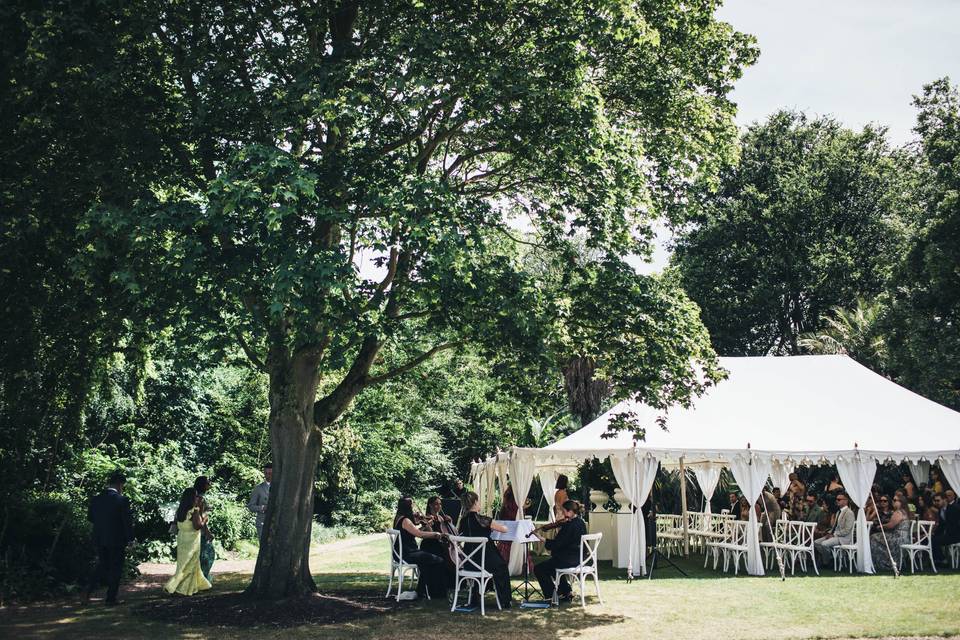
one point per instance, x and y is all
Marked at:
(854, 332)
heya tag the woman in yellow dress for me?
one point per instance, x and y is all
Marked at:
(190, 522)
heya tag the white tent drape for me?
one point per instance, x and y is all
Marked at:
(479, 477)
(635, 475)
(489, 488)
(751, 474)
(920, 470)
(708, 475)
(548, 483)
(521, 476)
(780, 476)
(857, 474)
(951, 469)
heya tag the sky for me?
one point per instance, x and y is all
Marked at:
(860, 61)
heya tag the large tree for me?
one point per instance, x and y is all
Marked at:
(810, 219)
(923, 323)
(347, 177)
(81, 120)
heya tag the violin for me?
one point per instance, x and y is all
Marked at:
(550, 526)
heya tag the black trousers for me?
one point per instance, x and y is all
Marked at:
(496, 565)
(545, 572)
(108, 571)
(433, 572)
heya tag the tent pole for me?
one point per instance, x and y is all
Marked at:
(683, 507)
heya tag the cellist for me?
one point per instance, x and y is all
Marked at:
(434, 520)
(564, 551)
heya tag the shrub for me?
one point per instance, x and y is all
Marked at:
(373, 512)
(230, 522)
(46, 547)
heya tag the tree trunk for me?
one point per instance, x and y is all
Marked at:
(283, 564)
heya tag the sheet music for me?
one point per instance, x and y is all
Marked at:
(517, 531)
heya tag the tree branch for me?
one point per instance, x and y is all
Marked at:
(251, 354)
(423, 357)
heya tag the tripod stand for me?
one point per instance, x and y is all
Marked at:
(655, 556)
(651, 531)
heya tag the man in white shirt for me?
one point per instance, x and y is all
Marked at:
(842, 532)
(257, 504)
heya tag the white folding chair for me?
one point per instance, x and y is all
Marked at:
(845, 552)
(398, 567)
(669, 532)
(471, 570)
(921, 541)
(800, 545)
(953, 551)
(780, 542)
(715, 545)
(587, 567)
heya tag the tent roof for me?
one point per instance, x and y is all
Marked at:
(812, 408)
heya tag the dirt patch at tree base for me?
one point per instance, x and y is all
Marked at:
(238, 609)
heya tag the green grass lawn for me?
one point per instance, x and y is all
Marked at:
(704, 605)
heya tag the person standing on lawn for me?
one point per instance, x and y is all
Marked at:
(190, 521)
(257, 504)
(112, 531)
(207, 553)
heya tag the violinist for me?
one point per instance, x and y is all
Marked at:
(564, 551)
(433, 571)
(472, 524)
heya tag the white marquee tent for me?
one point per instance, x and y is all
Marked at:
(770, 415)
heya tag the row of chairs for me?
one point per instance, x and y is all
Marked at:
(716, 534)
(470, 568)
(921, 543)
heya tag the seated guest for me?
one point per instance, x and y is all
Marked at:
(564, 552)
(936, 515)
(796, 488)
(909, 488)
(733, 507)
(841, 533)
(798, 511)
(834, 486)
(883, 511)
(950, 514)
(900, 493)
(474, 525)
(826, 521)
(885, 543)
(813, 512)
(936, 481)
(433, 570)
(925, 508)
(870, 512)
(768, 513)
(743, 508)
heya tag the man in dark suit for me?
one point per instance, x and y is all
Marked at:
(948, 528)
(112, 532)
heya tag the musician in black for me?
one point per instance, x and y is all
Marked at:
(433, 570)
(564, 551)
(472, 524)
(435, 517)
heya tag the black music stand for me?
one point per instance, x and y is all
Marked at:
(651, 526)
(526, 585)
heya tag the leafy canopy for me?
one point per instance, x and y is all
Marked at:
(349, 175)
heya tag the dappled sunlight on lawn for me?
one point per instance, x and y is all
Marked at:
(704, 605)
